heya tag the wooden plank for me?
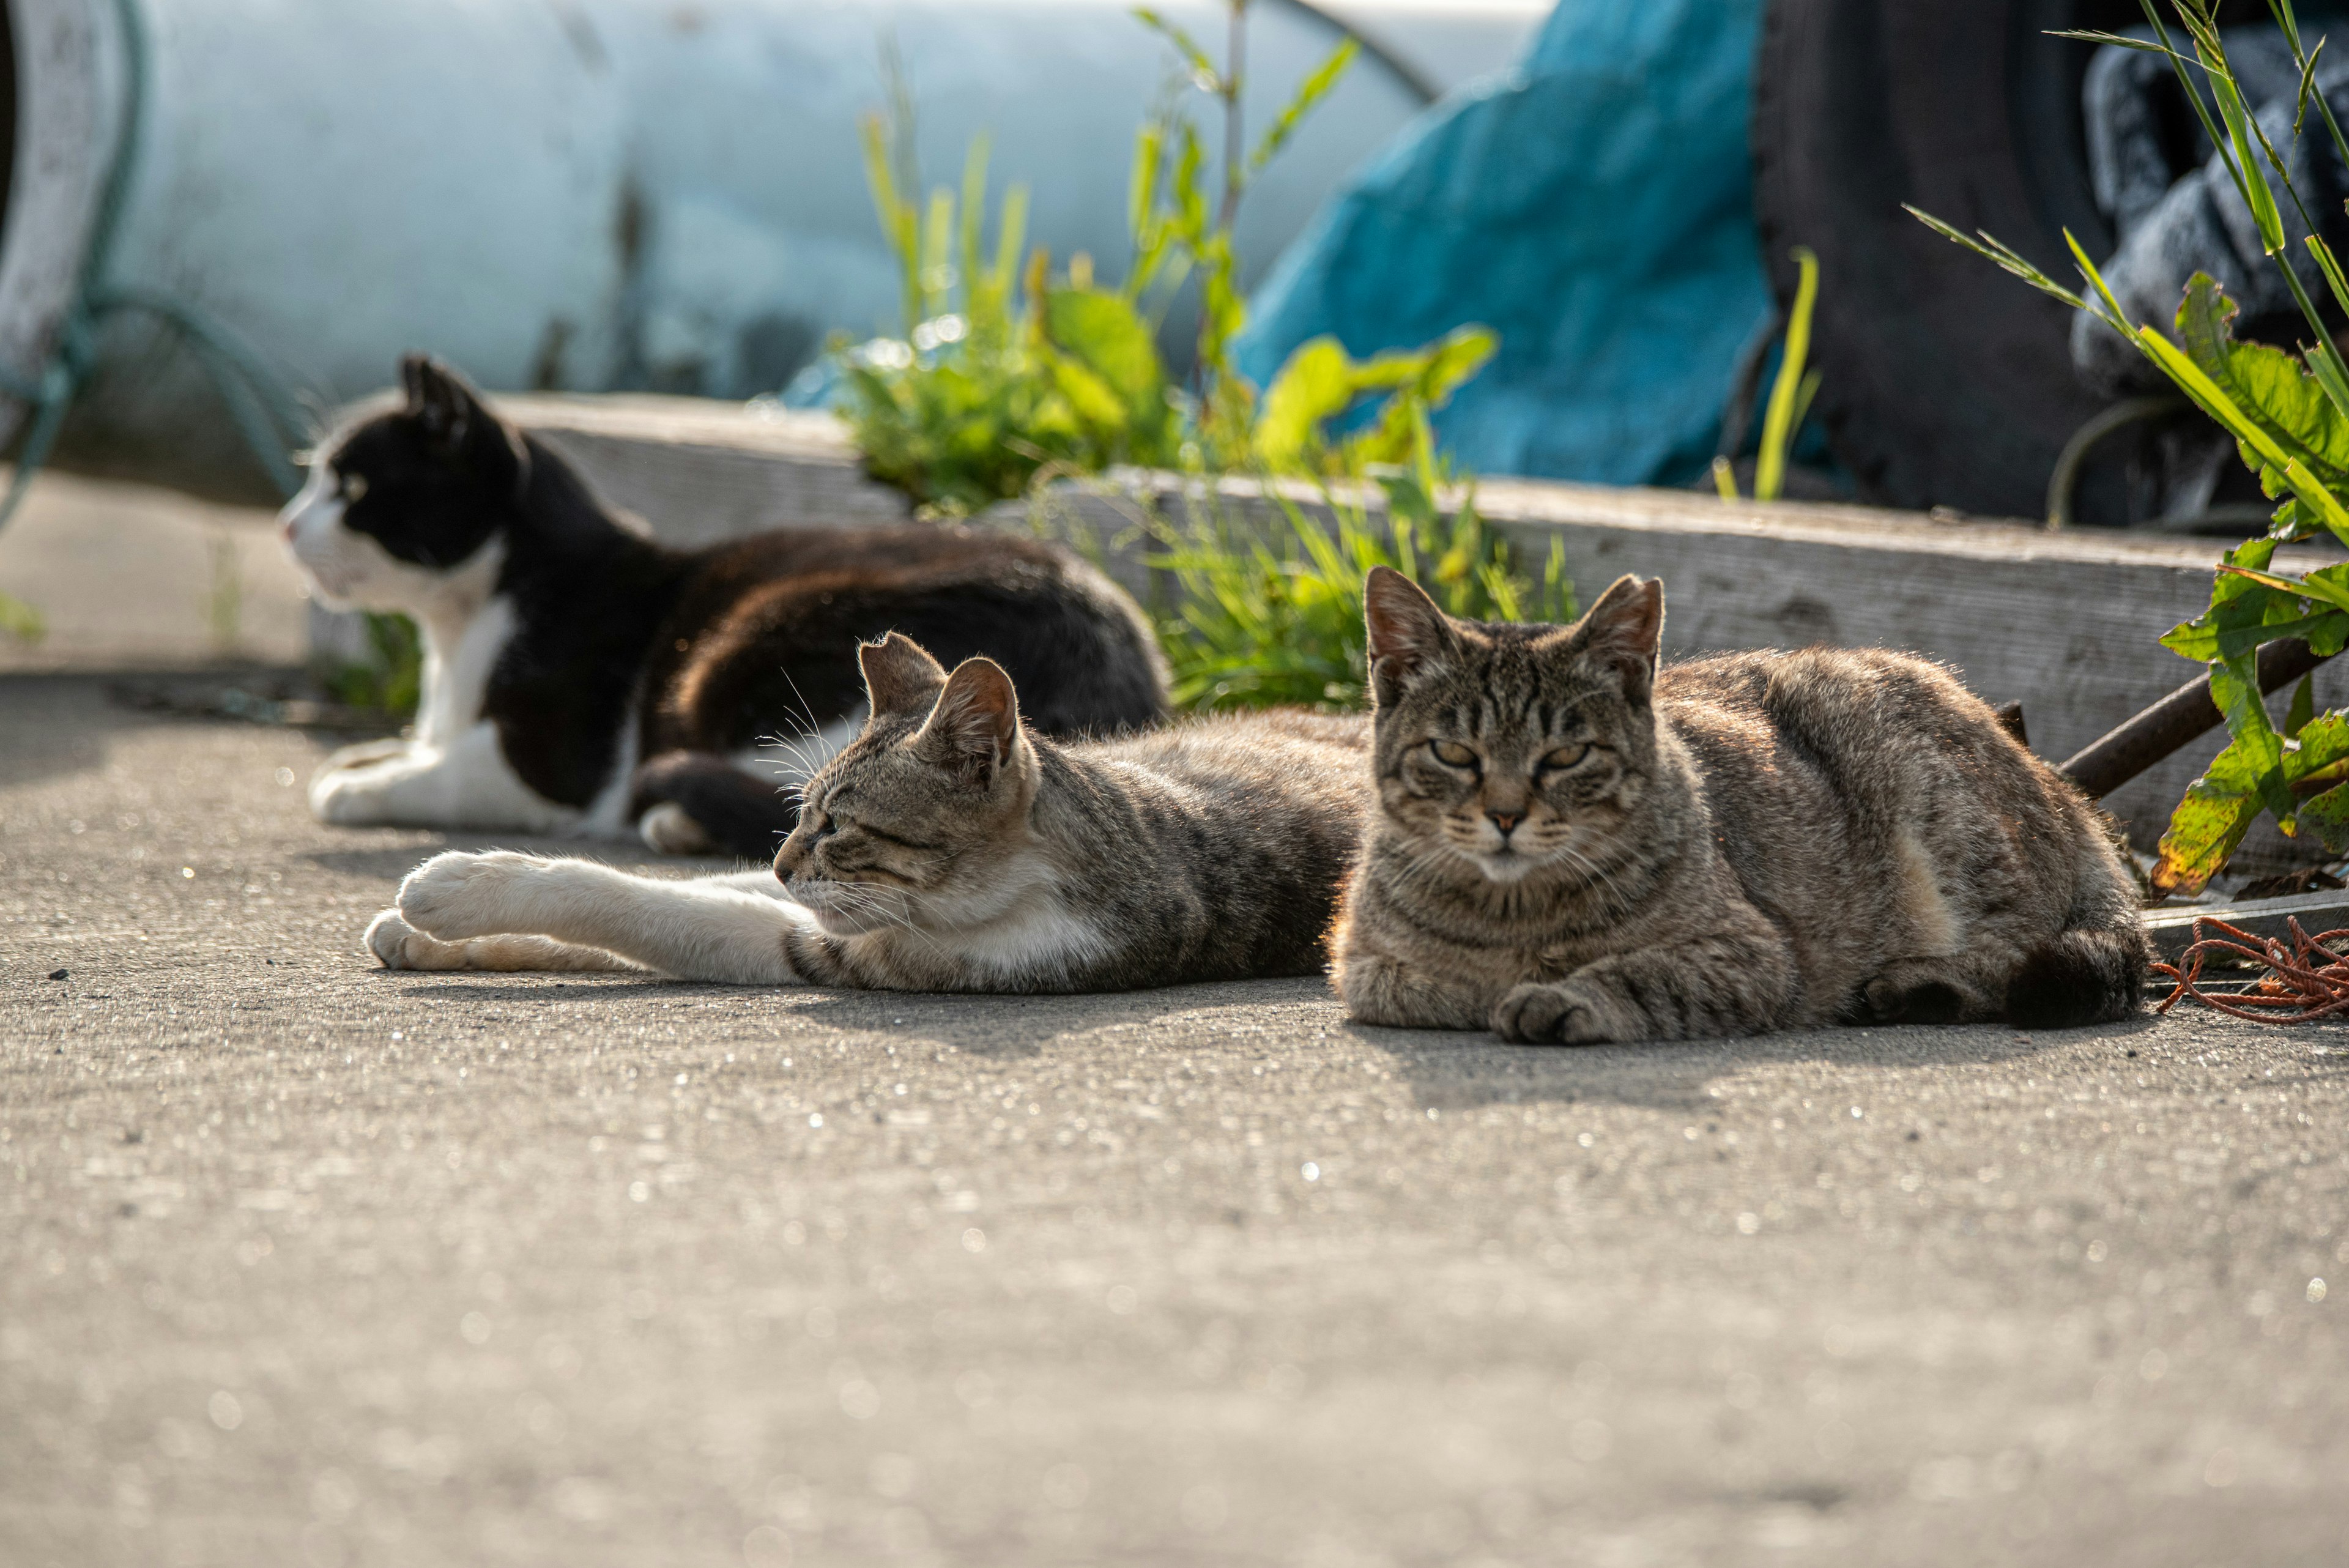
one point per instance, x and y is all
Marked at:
(2172, 930)
(698, 472)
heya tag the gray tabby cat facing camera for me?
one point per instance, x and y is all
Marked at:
(1572, 842)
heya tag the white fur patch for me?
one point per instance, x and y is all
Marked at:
(667, 829)
(453, 772)
(728, 930)
(1041, 938)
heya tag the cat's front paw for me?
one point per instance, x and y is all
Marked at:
(361, 755)
(395, 944)
(669, 829)
(459, 895)
(1552, 1013)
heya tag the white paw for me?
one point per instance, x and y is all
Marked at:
(349, 797)
(666, 829)
(361, 755)
(395, 944)
(457, 895)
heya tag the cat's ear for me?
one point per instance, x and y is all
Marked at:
(900, 675)
(1407, 629)
(976, 724)
(1625, 630)
(440, 402)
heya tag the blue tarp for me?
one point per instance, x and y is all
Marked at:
(1595, 207)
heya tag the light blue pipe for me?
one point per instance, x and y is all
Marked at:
(580, 194)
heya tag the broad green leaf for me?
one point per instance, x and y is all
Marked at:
(1317, 382)
(2319, 751)
(1459, 355)
(2219, 809)
(2302, 709)
(2207, 395)
(1096, 401)
(2235, 689)
(2327, 816)
(2264, 382)
(1104, 331)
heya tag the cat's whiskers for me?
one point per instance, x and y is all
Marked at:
(896, 910)
(1575, 859)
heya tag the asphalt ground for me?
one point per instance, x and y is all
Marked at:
(302, 1263)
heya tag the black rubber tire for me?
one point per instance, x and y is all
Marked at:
(1945, 381)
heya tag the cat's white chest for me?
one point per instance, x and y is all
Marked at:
(454, 772)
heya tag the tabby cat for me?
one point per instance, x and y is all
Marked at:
(1572, 845)
(948, 847)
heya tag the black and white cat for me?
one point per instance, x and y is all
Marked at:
(580, 679)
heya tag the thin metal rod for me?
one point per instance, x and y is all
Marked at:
(2179, 718)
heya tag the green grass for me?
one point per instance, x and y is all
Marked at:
(1273, 616)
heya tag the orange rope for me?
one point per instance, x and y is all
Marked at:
(2306, 981)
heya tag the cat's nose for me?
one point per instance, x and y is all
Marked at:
(1505, 820)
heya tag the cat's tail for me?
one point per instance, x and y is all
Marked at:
(2092, 971)
(690, 802)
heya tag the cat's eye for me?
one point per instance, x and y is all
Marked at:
(355, 487)
(1452, 753)
(1563, 757)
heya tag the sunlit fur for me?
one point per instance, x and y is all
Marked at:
(1574, 844)
(950, 848)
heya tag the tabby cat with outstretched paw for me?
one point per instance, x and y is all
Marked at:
(950, 848)
(1572, 844)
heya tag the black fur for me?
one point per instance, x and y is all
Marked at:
(2081, 977)
(1931, 1002)
(719, 650)
(727, 803)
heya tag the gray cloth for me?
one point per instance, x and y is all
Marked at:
(2173, 225)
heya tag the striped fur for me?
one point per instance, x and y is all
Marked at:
(1573, 844)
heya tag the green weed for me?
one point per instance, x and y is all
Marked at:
(1271, 617)
(21, 620)
(2288, 414)
(389, 681)
(1790, 394)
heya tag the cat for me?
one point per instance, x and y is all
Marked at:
(580, 679)
(948, 847)
(1572, 845)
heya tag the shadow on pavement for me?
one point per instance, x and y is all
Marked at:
(57, 724)
(1466, 1069)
